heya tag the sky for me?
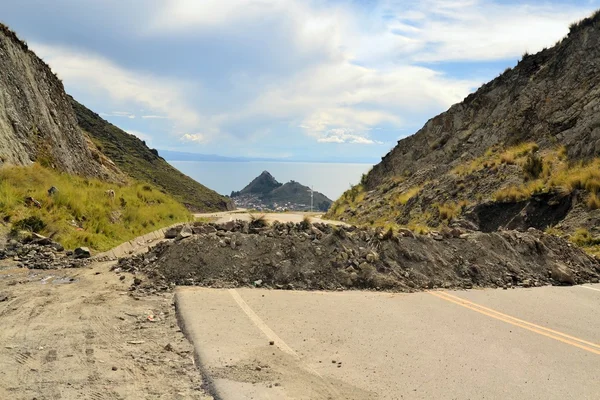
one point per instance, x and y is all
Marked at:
(284, 79)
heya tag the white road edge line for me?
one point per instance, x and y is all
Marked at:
(587, 287)
(278, 341)
(261, 325)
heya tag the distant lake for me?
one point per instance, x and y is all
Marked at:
(330, 179)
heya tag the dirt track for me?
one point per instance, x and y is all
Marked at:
(89, 339)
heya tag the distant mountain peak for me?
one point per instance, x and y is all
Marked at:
(261, 185)
(265, 191)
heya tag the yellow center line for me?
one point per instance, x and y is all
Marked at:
(516, 322)
(520, 320)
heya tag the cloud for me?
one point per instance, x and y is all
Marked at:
(154, 117)
(252, 72)
(343, 136)
(193, 137)
(98, 75)
(123, 114)
(477, 30)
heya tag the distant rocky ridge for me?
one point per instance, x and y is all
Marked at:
(264, 192)
(523, 145)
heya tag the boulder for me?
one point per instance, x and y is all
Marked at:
(172, 232)
(562, 274)
(203, 229)
(82, 252)
(185, 232)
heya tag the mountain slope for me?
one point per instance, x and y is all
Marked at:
(260, 186)
(133, 157)
(265, 191)
(520, 145)
(298, 193)
(37, 122)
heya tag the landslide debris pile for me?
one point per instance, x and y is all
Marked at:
(39, 252)
(307, 256)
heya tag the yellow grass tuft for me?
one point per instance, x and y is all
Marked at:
(81, 214)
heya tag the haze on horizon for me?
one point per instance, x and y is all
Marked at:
(282, 79)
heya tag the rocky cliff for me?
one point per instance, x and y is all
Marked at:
(37, 122)
(528, 139)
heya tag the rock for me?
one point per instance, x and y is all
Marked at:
(137, 281)
(3, 297)
(185, 232)
(406, 232)
(562, 274)
(114, 368)
(228, 226)
(172, 232)
(82, 252)
(203, 229)
(58, 247)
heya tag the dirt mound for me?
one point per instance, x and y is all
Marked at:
(305, 256)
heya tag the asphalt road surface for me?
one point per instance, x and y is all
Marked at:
(539, 343)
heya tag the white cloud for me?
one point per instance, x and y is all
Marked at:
(123, 114)
(99, 75)
(355, 70)
(193, 137)
(343, 136)
(456, 30)
(154, 117)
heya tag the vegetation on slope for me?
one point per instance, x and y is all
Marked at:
(81, 213)
(133, 157)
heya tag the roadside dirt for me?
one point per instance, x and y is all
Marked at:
(79, 334)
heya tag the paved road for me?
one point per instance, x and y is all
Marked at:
(541, 343)
(271, 217)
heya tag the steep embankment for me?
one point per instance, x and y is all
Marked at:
(37, 122)
(524, 145)
(144, 164)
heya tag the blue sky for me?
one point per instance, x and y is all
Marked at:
(282, 78)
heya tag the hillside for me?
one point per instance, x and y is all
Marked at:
(522, 151)
(134, 158)
(37, 122)
(264, 192)
(260, 186)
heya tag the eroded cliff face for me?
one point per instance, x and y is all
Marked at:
(37, 122)
(507, 142)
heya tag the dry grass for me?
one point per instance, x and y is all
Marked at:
(405, 196)
(593, 201)
(448, 211)
(81, 214)
(582, 237)
(494, 156)
(258, 221)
